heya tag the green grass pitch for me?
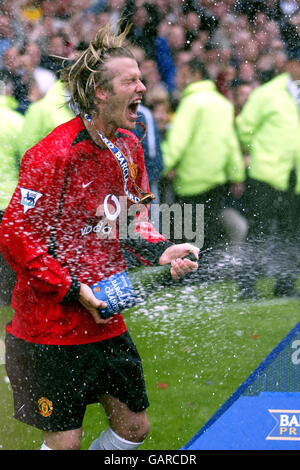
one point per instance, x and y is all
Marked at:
(198, 344)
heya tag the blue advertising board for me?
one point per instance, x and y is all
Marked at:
(264, 412)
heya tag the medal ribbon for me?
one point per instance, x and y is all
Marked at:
(144, 198)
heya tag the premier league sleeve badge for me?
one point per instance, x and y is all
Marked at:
(29, 198)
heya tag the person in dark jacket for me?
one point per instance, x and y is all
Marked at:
(150, 139)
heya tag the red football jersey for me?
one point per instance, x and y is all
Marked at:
(62, 224)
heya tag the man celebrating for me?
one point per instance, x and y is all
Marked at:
(60, 353)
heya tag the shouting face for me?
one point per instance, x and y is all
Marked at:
(120, 100)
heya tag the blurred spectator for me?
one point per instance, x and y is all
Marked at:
(6, 36)
(240, 45)
(12, 65)
(44, 115)
(192, 23)
(11, 122)
(27, 72)
(12, 9)
(241, 94)
(42, 29)
(58, 46)
(266, 126)
(247, 73)
(223, 36)
(150, 138)
(211, 60)
(201, 153)
(176, 39)
(265, 68)
(145, 18)
(148, 134)
(44, 78)
(157, 99)
(165, 63)
(31, 10)
(225, 80)
(150, 73)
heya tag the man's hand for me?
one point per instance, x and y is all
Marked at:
(91, 303)
(174, 255)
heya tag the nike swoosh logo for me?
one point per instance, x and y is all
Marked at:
(85, 185)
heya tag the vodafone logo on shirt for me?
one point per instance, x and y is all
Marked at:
(109, 211)
(111, 200)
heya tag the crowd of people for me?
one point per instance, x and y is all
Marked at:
(241, 43)
(239, 46)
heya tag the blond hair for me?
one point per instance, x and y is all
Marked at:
(89, 71)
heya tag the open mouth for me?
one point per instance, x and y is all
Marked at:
(133, 109)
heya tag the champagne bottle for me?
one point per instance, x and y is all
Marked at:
(124, 290)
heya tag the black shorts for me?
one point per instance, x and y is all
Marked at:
(52, 385)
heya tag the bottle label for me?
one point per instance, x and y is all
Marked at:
(117, 292)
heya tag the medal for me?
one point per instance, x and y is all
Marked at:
(126, 170)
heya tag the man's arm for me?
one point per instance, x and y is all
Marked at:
(146, 242)
(25, 231)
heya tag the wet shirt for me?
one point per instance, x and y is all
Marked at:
(62, 227)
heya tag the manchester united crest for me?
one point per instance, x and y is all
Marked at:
(45, 407)
(133, 171)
